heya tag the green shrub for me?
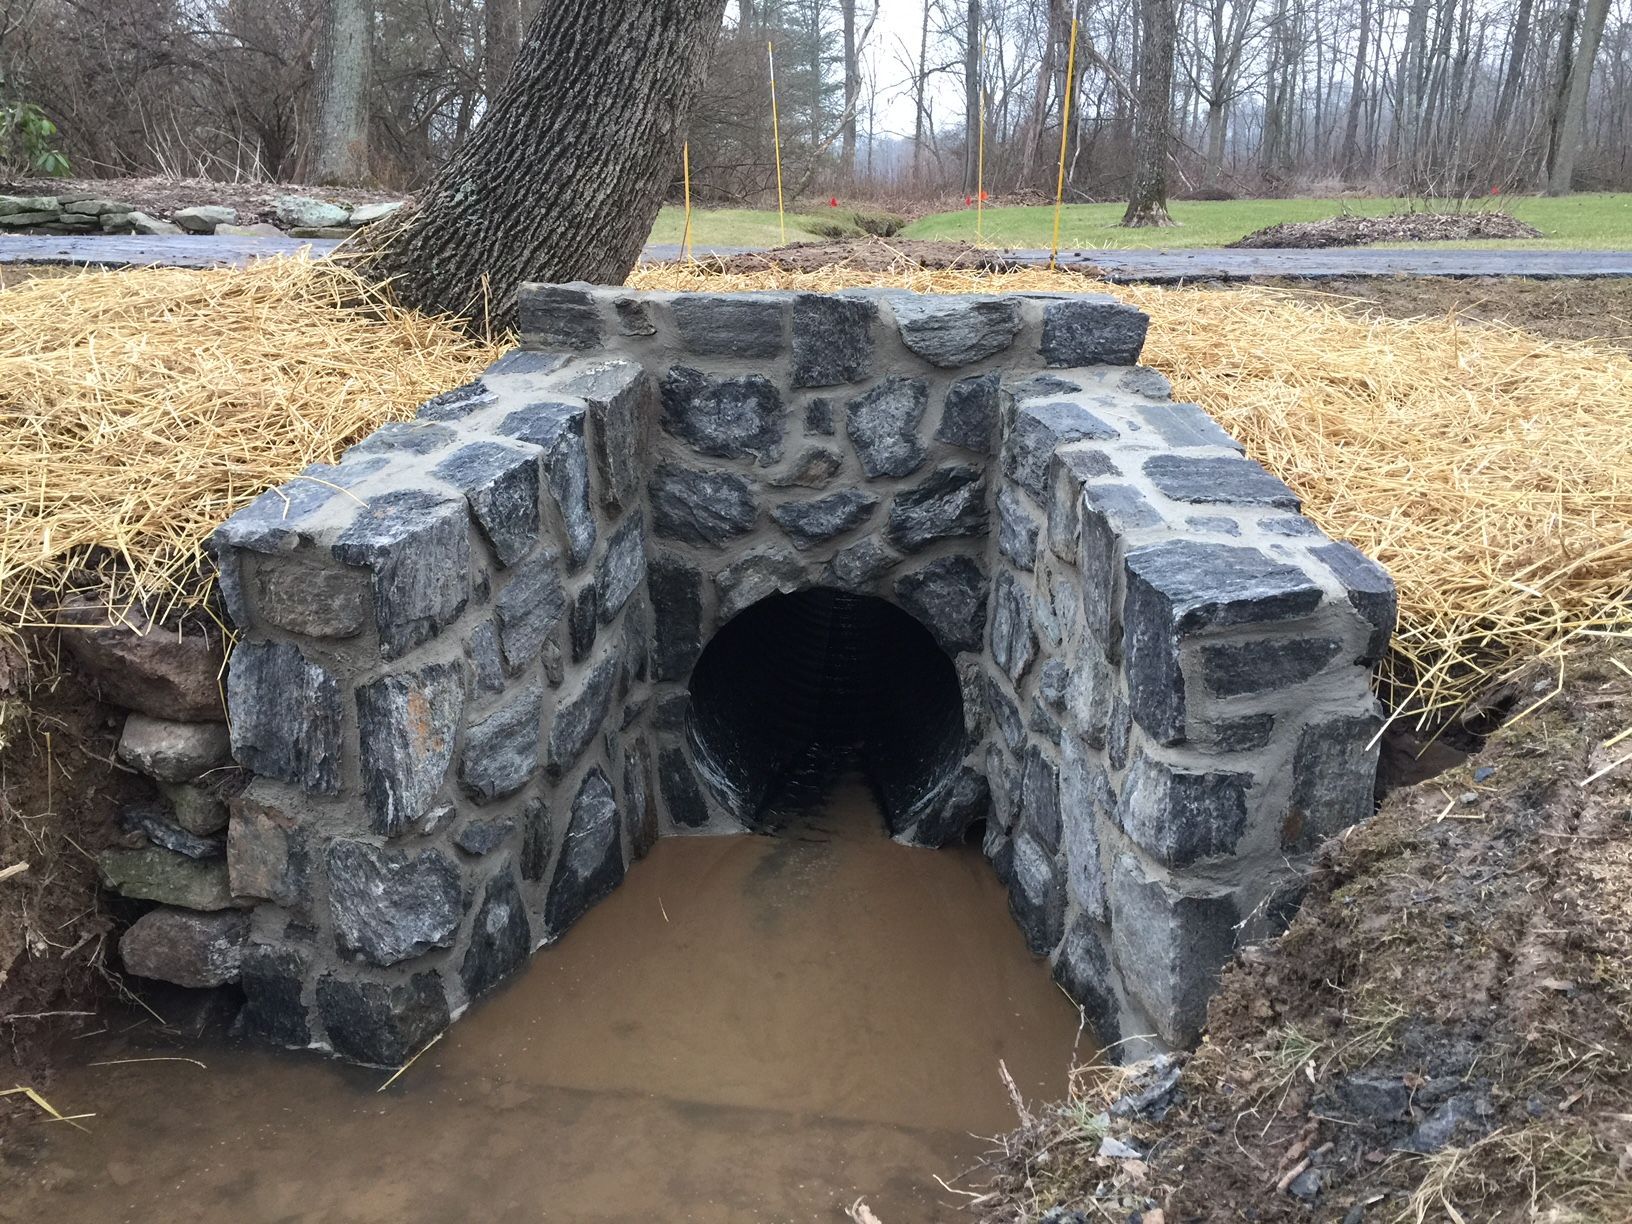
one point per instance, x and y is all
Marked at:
(28, 142)
(879, 224)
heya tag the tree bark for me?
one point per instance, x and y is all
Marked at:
(971, 99)
(563, 178)
(1351, 124)
(1514, 72)
(1561, 169)
(1153, 116)
(501, 43)
(918, 98)
(852, 94)
(342, 116)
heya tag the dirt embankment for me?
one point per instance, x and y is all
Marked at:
(1348, 231)
(1444, 1033)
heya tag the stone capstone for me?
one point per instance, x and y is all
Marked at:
(501, 483)
(1039, 428)
(1370, 591)
(616, 393)
(591, 862)
(185, 947)
(730, 324)
(883, 426)
(406, 725)
(1236, 482)
(559, 317)
(378, 1023)
(956, 331)
(391, 905)
(1087, 331)
(287, 720)
(417, 547)
(832, 339)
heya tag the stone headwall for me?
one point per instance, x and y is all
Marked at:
(462, 678)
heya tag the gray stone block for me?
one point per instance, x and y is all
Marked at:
(819, 416)
(500, 752)
(1073, 466)
(956, 331)
(267, 858)
(388, 906)
(457, 404)
(501, 483)
(1014, 643)
(406, 725)
(755, 577)
(639, 812)
(173, 751)
(808, 523)
(528, 609)
(730, 324)
(725, 417)
(1170, 946)
(701, 507)
(1036, 894)
(1201, 480)
(378, 1023)
(273, 981)
(1334, 778)
(324, 601)
(1086, 331)
(860, 566)
(417, 546)
(814, 468)
(1370, 590)
(479, 837)
(969, 415)
(318, 500)
(559, 429)
(616, 394)
(1180, 587)
(580, 717)
(1182, 425)
(287, 721)
(948, 504)
(591, 862)
(955, 810)
(1107, 513)
(1040, 427)
(483, 650)
(634, 316)
(537, 833)
(676, 588)
(884, 424)
(1180, 817)
(681, 794)
(1005, 716)
(418, 437)
(1234, 669)
(832, 340)
(1017, 530)
(155, 874)
(1040, 798)
(948, 596)
(185, 947)
(622, 568)
(581, 621)
(1085, 801)
(500, 936)
(1083, 969)
(558, 317)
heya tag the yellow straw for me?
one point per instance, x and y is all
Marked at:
(1065, 127)
(685, 163)
(776, 140)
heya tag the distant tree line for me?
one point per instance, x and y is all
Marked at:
(1429, 97)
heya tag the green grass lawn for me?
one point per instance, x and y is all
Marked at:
(745, 227)
(1599, 220)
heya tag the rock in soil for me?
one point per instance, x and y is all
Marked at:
(185, 947)
(173, 751)
(144, 667)
(152, 874)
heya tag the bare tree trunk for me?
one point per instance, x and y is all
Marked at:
(501, 41)
(1351, 124)
(918, 98)
(971, 99)
(563, 178)
(1561, 170)
(342, 115)
(1514, 71)
(852, 95)
(1153, 118)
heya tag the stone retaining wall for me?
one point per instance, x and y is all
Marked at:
(461, 685)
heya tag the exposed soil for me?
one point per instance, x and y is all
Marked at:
(869, 255)
(160, 197)
(1446, 1027)
(1348, 231)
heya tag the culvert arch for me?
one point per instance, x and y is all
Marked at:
(466, 684)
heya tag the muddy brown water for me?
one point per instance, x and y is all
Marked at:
(749, 1029)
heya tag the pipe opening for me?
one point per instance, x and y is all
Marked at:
(802, 688)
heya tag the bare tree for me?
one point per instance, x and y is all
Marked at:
(1153, 116)
(342, 117)
(501, 42)
(563, 178)
(1566, 144)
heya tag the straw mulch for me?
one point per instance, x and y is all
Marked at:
(1490, 471)
(140, 408)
